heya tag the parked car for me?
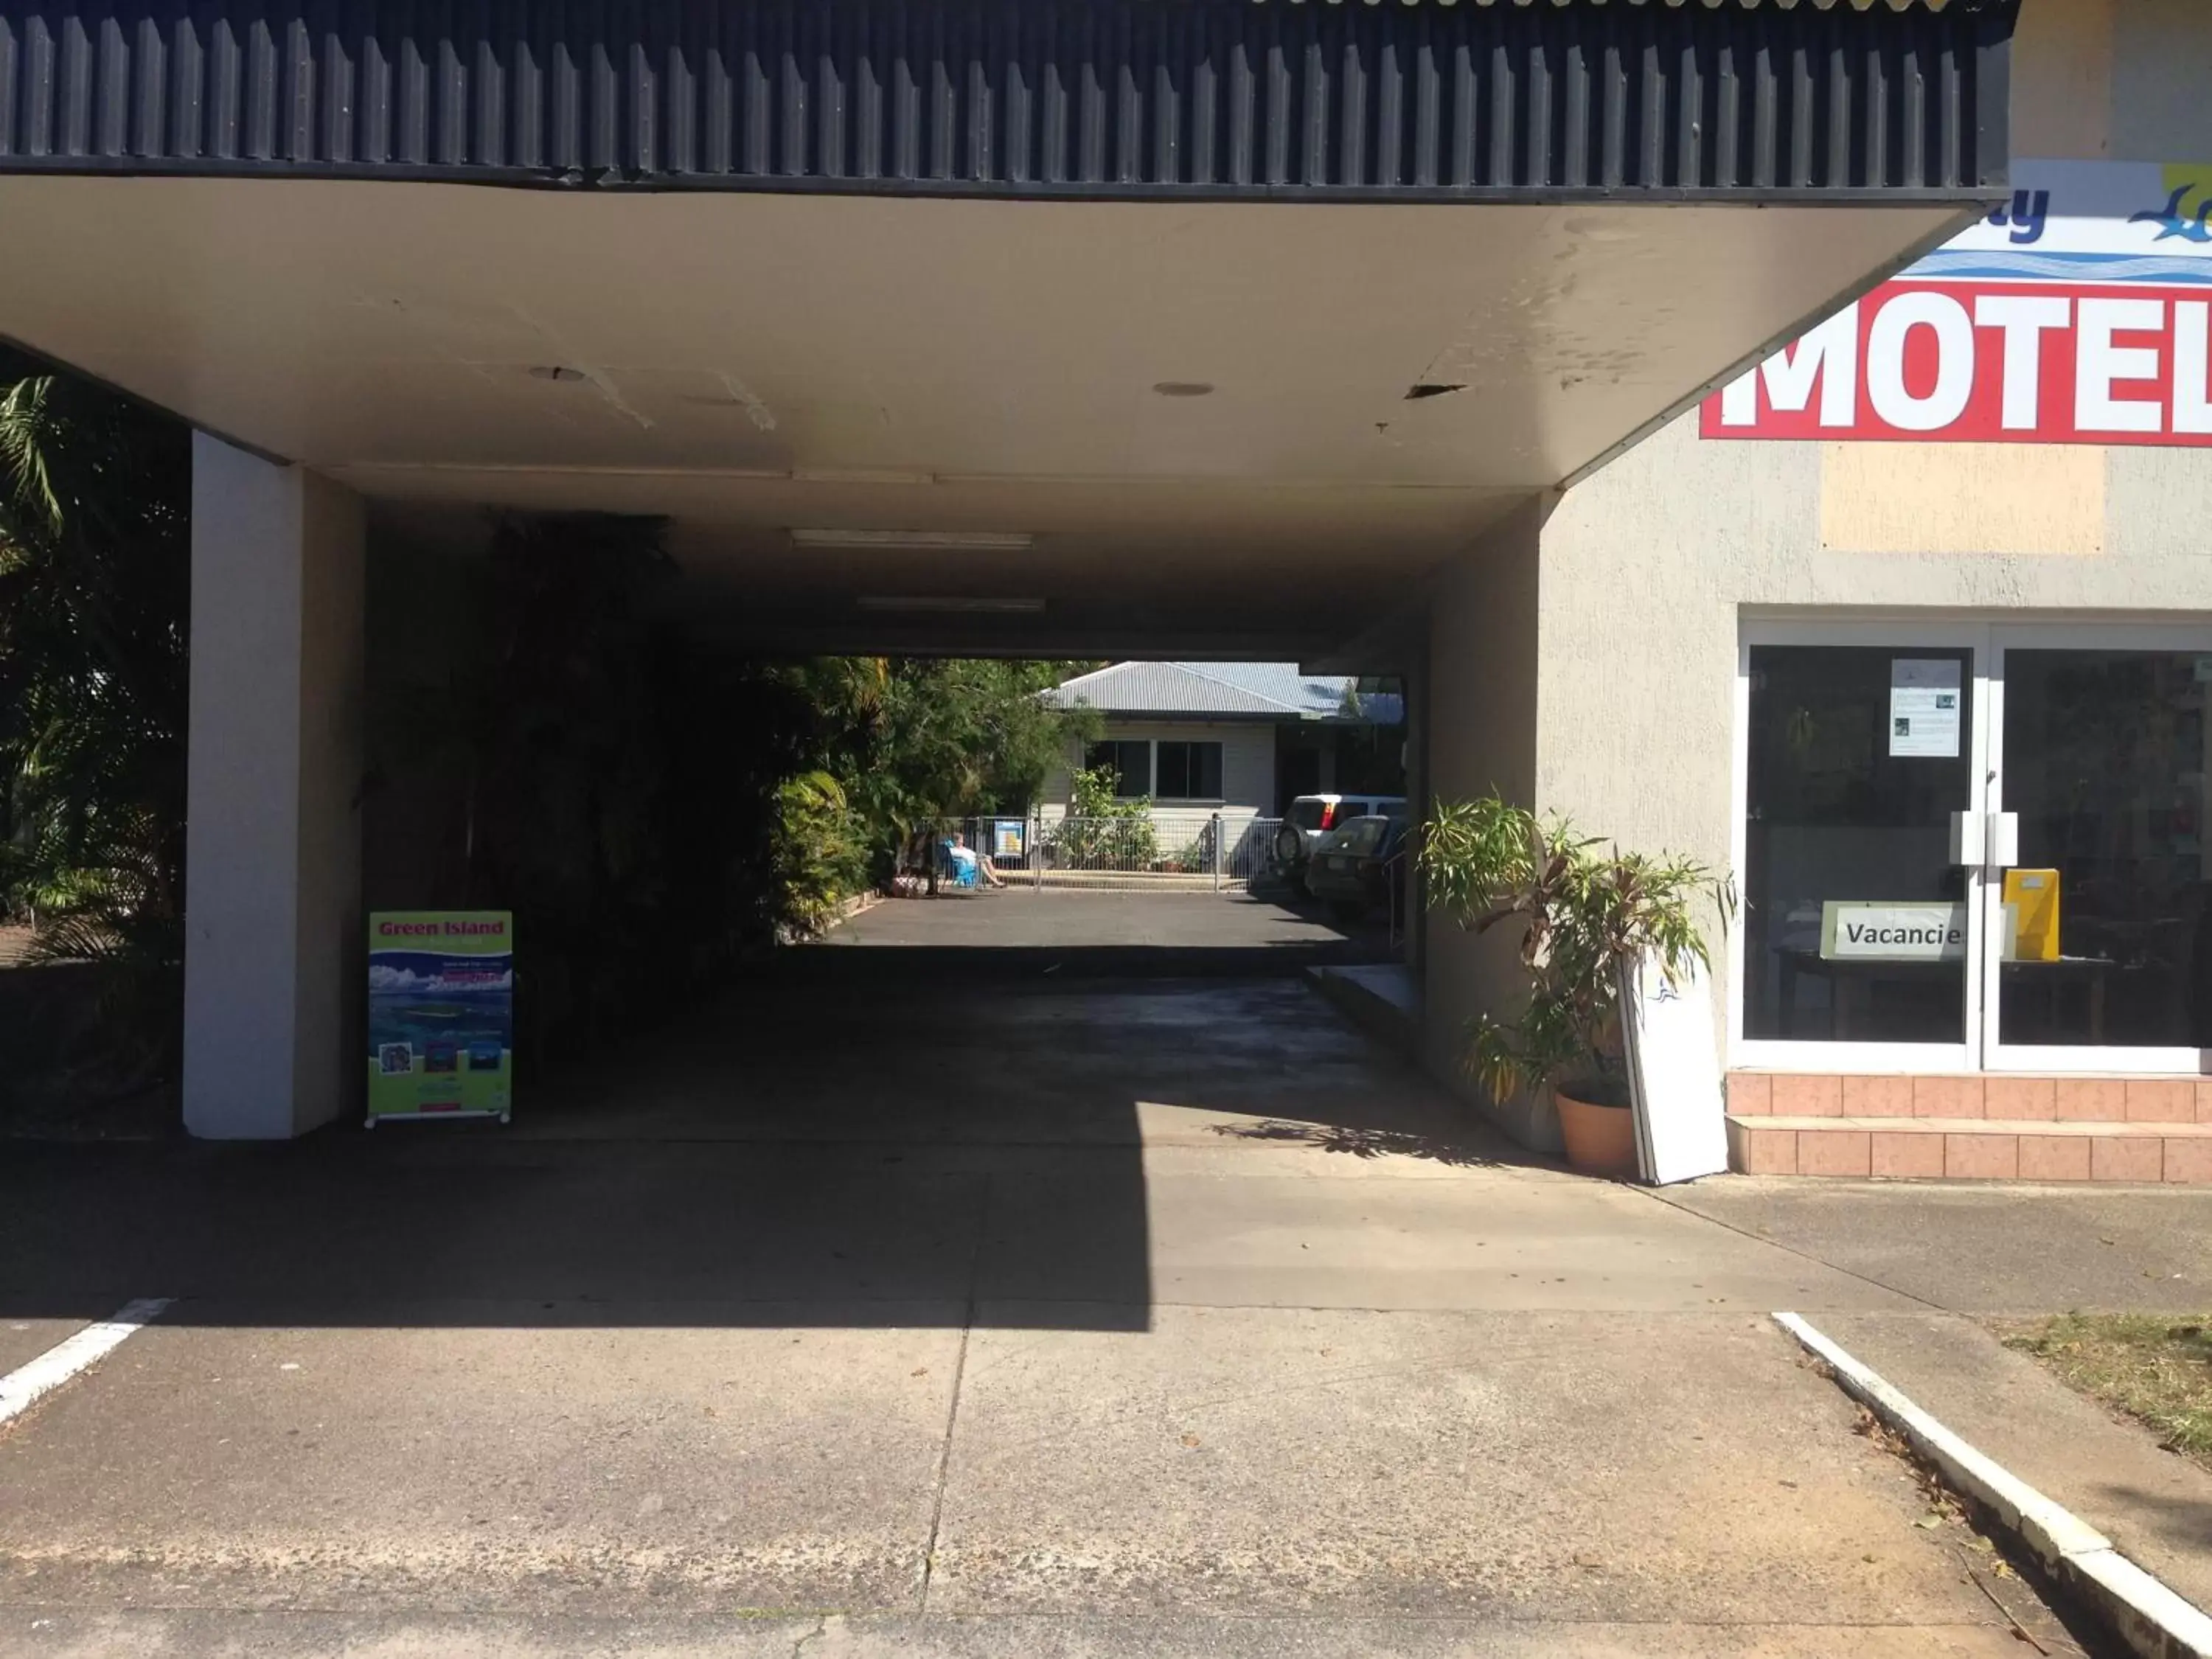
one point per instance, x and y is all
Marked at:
(1355, 869)
(1310, 817)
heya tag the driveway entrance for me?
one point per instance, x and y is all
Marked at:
(1188, 931)
(1041, 1314)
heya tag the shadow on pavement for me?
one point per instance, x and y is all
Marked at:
(1462, 1153)
(849, 1143)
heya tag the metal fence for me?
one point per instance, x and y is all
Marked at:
(1158, 851)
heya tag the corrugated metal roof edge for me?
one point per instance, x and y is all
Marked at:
(1198, 673)
(1233, 716)
(1263, 709)
(1221, 717)
(1274, 708)
(1713, 5)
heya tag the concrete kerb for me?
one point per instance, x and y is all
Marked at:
(858, 904)
(1373, 998)
(2151, 1618)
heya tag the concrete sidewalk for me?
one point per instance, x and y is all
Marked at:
(1969, 1255)
(2155, 1505)
(1984, 1248)
(68, 1635)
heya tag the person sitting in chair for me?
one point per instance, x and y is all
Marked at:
(963, 855)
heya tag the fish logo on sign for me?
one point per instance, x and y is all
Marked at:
(2174, 221)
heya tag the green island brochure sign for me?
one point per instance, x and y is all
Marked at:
(441, 1014)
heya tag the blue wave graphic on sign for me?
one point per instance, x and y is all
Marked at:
(2066, 267)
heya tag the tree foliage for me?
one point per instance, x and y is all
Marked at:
(819, 854)
(94, 584)
(919, 742)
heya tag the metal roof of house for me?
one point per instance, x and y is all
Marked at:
(1276, 690)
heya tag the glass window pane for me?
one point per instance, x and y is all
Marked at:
(1132, 765)
(2104, 936)
(1174, 768)
(1190, 771)
(1855, 920)
(1205, 771)
(1136, 770)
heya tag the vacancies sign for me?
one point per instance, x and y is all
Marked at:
(1860, 930)
(2081, 313)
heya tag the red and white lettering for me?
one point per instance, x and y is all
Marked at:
(1827, 355)
(2192, 368)
(2022, 318)
(1989, 362)
(1951, 333)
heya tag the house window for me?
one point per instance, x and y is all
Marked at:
(1190, 771)
(1131, 763)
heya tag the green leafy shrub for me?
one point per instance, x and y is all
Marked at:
(1583, 914)
(1101, 831)
(819, 854)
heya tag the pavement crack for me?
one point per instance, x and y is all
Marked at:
(952, 1407)
(820, 1628)
(1658, 1195)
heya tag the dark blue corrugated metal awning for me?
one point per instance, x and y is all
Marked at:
(1495, 100)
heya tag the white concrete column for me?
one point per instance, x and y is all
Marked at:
(272, 881)
(1413, 683)
(1480, 737)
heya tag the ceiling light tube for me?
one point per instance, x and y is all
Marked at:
(943, 541)
(950, 604)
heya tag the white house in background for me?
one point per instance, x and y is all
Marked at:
(1240, 738)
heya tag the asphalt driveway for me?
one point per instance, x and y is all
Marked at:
(1096, 1317)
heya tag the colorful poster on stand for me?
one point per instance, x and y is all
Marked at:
(441, 1014)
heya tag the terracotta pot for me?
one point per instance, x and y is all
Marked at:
(1600, 1138)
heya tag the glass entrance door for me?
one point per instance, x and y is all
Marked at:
(1964, 846)
(1861, 797)
(2099, 947)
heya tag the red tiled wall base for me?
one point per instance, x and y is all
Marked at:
(1989, 1128)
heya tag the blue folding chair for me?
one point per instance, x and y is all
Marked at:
(957, 872)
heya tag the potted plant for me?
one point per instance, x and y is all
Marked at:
(1586, 911)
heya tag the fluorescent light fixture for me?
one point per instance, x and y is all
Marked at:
(858, 474)
(940, 541)
(951, 604)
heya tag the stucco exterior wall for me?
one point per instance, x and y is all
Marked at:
(2159, 52)
(2110, 80)
(1650, 566)
(1482, 704)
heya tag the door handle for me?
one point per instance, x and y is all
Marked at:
(1988, 839)
(1969, 836)
(2001, 842)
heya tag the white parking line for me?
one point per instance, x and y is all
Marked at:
(42, 1375)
